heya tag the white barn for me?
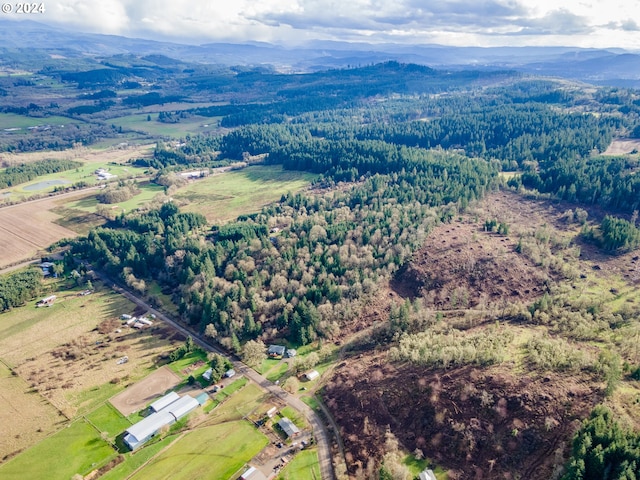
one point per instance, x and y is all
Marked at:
(169, 413)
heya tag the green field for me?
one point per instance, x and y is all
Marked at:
(304, 465)
(224, 197)
(134, 460)
(240, 404)
(214, 453)
(108, 420)
(77, 449)
(11, 120)
(139, 123)
(147, 192)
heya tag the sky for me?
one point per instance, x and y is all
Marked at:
(583, 23)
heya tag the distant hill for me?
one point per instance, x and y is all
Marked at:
(602, 66)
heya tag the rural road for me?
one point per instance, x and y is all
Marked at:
(319, 430)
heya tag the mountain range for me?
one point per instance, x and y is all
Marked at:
(611, 66)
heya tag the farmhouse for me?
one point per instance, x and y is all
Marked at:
(141, 432)
(276, 351)
(288, 427)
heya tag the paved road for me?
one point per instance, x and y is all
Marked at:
(319, 430)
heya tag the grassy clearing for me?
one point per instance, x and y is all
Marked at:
(88, 204)
(75, 449)
(11, 120)
(155, 290)
(215, 452)
(184, 366)
(223, 197)
(304, 465)
(107, 419)
(139, 123)
(416, 466)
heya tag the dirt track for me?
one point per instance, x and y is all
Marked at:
(137, 396)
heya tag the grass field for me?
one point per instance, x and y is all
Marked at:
(107, 419)
(304, 465)
(147, 192)
(76, 449)
(214, 453)
(26, 417)
(224, 197)
(139, 122)
(11, 120)
(242, 403)
(135, 460)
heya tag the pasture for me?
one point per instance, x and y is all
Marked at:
(304, 465)
(26, 417)
(77, 449)
(22, 122)
(213, 453)
(139, 123)
(69, 352)
(224, 197)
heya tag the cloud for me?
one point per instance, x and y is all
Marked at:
(461, 22)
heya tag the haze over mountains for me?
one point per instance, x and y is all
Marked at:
(611, 66)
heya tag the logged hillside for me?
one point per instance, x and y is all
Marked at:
(495, 348)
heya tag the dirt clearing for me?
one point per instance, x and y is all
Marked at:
(621, 146)
(139, 395)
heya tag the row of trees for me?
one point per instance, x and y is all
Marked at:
(18, 174)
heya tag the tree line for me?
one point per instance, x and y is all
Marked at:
(26, 172)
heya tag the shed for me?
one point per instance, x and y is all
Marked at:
(165, 401)
(252, 473)
(276, 350)
(427, 475)
(271, 412)
(291, 353)
(312, 375)
(230, 373)
(288, 427)
(202, 398)
(207, 375)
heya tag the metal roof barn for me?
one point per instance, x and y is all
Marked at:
(181, 407)
(163, 402)
(146, 428)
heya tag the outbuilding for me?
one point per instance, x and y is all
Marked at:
(312, 375)
(288, 427)
(252, 473)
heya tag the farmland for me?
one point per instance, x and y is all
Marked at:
(72, 450)
(139, 123)
(26, 416)
(68, 352)
(212, 453)
(224, 197)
